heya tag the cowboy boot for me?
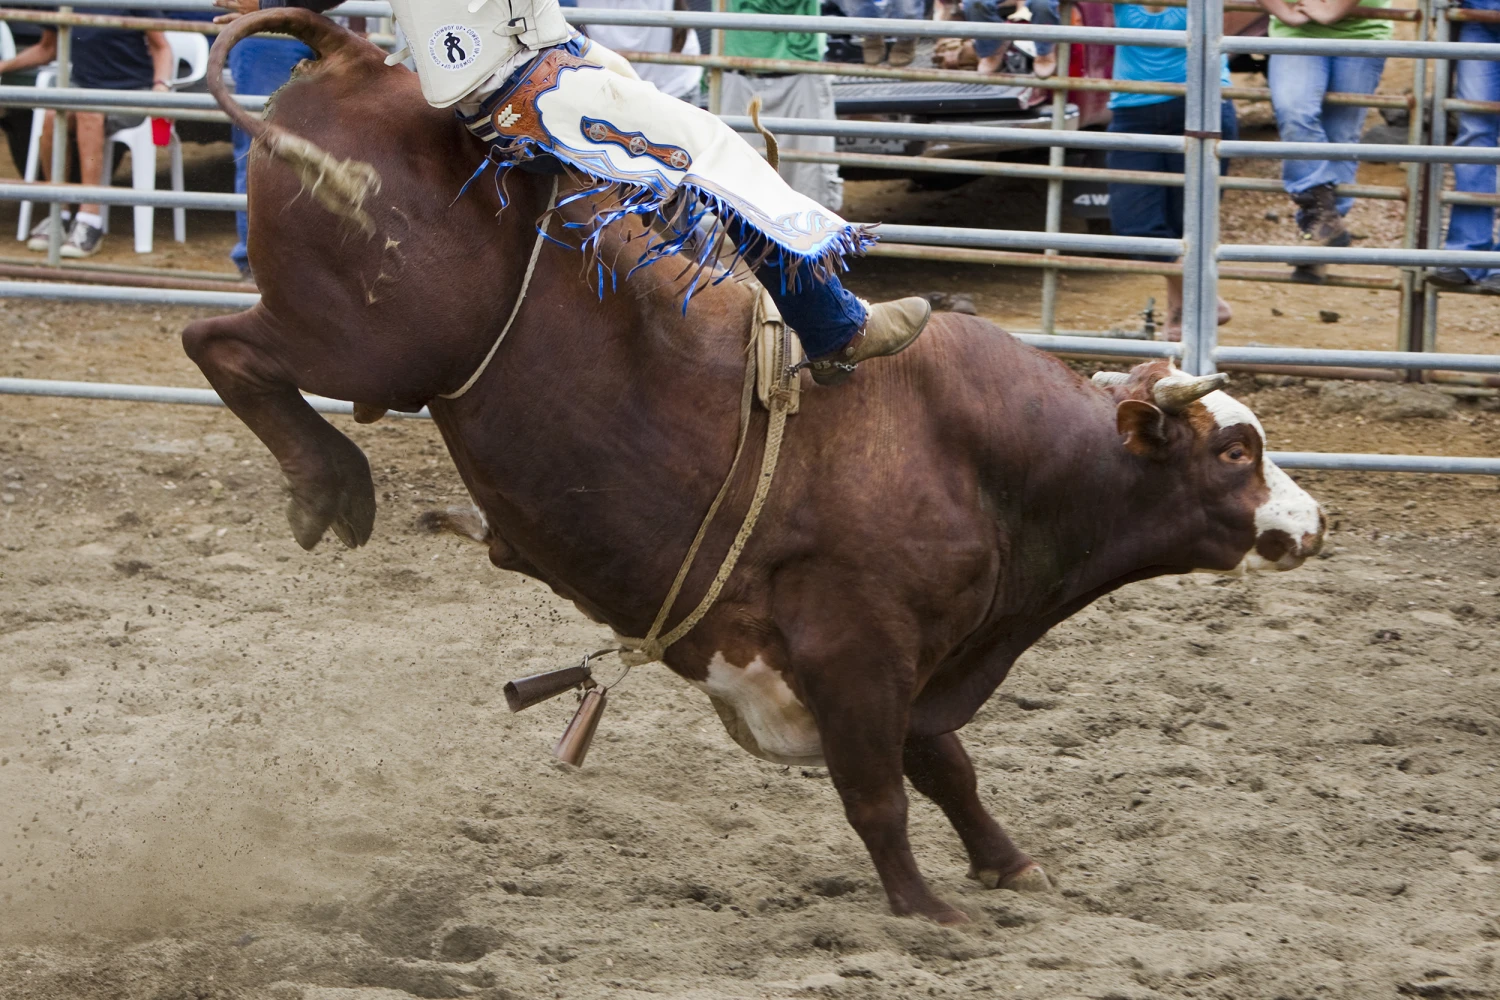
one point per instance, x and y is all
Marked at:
(890, 328)
(874, 49)
(1318, 219)
(903, 51)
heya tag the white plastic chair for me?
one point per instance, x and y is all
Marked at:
(189, 48)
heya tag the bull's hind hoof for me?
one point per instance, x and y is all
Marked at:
(1031, 878)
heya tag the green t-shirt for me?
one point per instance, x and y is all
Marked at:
(1349, 27)
(805, 45)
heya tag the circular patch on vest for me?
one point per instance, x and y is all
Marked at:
(453, 47)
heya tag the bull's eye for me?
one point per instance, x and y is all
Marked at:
(1236, 454)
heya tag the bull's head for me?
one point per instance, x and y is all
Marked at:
(1256, 516)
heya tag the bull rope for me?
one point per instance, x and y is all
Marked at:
(637, 652)
(536, 251)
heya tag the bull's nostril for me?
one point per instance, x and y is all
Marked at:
(1312, 544)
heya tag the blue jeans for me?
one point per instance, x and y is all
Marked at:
(824, 314)
(1472, 227)
(260, 66)
(1042, 12)
(907, 9)
(1152, 209)
(1298, 84)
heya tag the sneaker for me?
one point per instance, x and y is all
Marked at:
(890, 328)
(83, 241)
(40, 235)
(1318, 219)
(1449, 277)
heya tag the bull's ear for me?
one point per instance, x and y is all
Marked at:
(1144, 427)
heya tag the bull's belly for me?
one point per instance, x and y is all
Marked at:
(761, 713)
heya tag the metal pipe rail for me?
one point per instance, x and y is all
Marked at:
(1382, 152)
(354, 8)
(88, 193)
(177, 395)
(157, 394)
(63, 291)
(1037, 171)
(1018, 239)
(962, 255)
(1248, 253)
(1406, 360)
(146, 101)
(1081, 83)
(1004, 31)
(171, 104)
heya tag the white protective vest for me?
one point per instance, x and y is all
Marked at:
(459, 44)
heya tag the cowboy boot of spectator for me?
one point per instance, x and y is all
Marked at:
(1318, 219)
(874, 46)
(903, 51)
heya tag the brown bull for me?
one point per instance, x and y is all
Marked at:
(930, 520)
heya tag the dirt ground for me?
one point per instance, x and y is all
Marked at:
(223, 773)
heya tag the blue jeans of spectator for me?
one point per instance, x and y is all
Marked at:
(1472, 227)
(1042, 12)
(907, 9)
(260, 66)
(1298, 84)
(1152, 209)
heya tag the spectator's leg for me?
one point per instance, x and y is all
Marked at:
(45, 160)
(904, 49)
(1345, 123)
(90, 132)
(1472, 227)
(1044, 12)
(240, 141)
(260, 66)
(989, 50)
(796, 96)
(1149, 209)
(1298, 84)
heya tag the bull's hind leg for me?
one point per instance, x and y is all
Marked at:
(861, 723)
(327, 473)
(940, 769)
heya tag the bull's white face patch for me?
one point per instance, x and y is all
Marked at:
(453, 47)
(765, 709)
(1288, 509)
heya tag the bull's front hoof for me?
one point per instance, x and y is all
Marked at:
(1031, 878)
(341, 497)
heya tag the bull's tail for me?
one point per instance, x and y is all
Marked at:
(341, 186)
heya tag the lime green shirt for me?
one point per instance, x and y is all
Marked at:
(804, 45)
(1349, 27)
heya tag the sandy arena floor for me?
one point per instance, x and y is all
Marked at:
(232, 770)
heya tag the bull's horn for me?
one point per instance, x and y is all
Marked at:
(1110, 378)
(1175, 392)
